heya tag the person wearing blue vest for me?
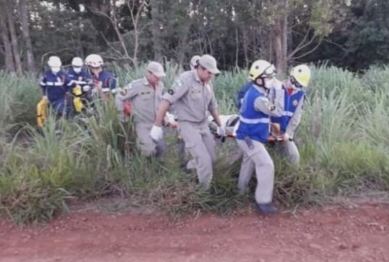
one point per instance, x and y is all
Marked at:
(80, 76)
(83, 82)
(253, 132)
(55, 85)
(292, 94)
(242, 91)
(104, 82)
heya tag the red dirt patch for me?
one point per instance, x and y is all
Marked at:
(337, 234)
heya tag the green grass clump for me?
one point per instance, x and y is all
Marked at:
(343, 141)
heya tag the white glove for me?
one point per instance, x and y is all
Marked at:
(86, 88)
(221, 131)
(286, 137)
(169, 119)
(156, 133)
(44, 97)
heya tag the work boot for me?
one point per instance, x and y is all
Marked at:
(265, 208)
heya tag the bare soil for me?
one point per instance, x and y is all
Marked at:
(325, 234)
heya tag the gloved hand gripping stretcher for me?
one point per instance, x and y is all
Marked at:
(231, 124)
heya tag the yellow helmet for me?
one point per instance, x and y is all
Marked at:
(261, 68)
(301, 74)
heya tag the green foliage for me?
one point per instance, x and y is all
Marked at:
(235, 32)
(343, 141)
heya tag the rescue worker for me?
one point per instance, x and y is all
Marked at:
(253, 132)
(104, 82)
(145, 96)
(242, 91)
(55, 85)
(81, 79)
(180, 142)
(80, 76)
(292, 94)
(193, 96)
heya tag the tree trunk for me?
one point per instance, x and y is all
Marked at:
(284, 36)
(280, 39)
(14, 41)
(277, 47)
(271, 45)
(9, 63)
(24, 14)
(156, 31)
(245, 48)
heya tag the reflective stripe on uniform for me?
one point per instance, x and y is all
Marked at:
(263, 120)
(77, 82)
(287, 113)
(54, 83)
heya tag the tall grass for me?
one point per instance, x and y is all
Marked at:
(343, 141)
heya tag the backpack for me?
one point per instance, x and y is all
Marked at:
(240, 95)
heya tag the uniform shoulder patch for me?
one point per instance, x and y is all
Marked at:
(178, 82)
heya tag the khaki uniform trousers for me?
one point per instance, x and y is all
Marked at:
(146, 144)
(289, 150)
(257, 160)
(200, 143)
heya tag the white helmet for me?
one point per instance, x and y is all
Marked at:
(77, 62)
(54, 64)
(54, 61)
(94, 60)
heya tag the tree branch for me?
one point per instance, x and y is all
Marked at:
(335, 44)
(310, 51)
(114, 24)
(110, 45)
(135, 22)
(301, 45)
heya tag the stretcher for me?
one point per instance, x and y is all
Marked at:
(231, 124)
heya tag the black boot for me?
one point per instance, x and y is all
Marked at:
(265, 208)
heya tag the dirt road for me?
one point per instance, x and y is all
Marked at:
(332, 234)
